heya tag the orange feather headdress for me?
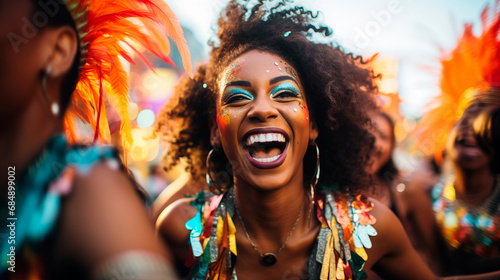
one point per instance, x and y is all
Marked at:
(108, 31)
(470, 75)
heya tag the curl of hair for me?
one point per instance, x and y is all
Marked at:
(339, 92)
(486, 127)
(184, 123)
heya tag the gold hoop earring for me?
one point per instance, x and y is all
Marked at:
(54, 106)
(212, 184)
(316, 174)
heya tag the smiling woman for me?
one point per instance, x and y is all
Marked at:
(269, 111)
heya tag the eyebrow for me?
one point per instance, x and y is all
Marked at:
(239, 83)
(271, 82)
(281, 78)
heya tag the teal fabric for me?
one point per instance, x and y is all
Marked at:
(37, 210)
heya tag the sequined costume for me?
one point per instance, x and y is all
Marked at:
(471, 234)
(39, 194)
(213, 240)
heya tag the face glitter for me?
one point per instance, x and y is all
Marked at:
(290, 71)
(204, 85)
(295, 110)
(276, 63)
(223, 119)
(267, 71)
(287, 33)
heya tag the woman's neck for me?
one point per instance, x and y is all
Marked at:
(474, 186)
(270, 215)
(24, 137)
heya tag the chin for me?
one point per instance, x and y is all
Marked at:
(268, 180)
(471, 163)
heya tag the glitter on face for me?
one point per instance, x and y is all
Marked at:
(295, 110)
(267, 71)
(276, 63)
(280, 69)
(223, 119)
(287, 33)
(204, 85)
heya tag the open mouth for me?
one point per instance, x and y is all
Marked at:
(466, 141)
(266, 147)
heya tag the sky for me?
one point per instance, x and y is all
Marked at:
(415, 32)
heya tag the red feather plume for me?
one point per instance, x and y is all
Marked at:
(110, 30)
(474, 63)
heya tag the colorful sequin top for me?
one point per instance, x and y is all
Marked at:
(471, 234)
(38, 195)
(338, 253)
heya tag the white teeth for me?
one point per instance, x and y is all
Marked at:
(265, 137)
(271, 159)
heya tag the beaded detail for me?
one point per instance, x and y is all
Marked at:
(465, 228)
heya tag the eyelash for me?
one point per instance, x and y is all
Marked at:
(285, 94)
(236, 98)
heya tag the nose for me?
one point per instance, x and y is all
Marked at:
(263, 109)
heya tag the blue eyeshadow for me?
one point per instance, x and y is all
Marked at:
(285, 86)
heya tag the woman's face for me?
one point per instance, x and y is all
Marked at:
(263, 120)
(382, 131)
(465, 152)
(20, 56)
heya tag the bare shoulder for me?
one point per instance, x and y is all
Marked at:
(420, 182)
(183, 185)
(392, 255)
(170, 226)
(417, 193)
(106, 216)
(388, 228)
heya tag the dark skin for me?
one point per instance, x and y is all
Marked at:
(382, 131)
(176, 190)
(474, 181)
(93, 214)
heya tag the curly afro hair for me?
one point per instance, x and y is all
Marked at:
(339, 91)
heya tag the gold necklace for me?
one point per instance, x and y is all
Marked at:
(267, 259)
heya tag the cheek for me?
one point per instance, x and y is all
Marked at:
(303, 113)
(223, 120)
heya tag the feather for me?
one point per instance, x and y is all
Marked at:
(105, 28)
(474, 63)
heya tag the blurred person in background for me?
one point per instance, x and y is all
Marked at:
(465, 225)
(73, 212)
(175, 120)
(396, 189)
